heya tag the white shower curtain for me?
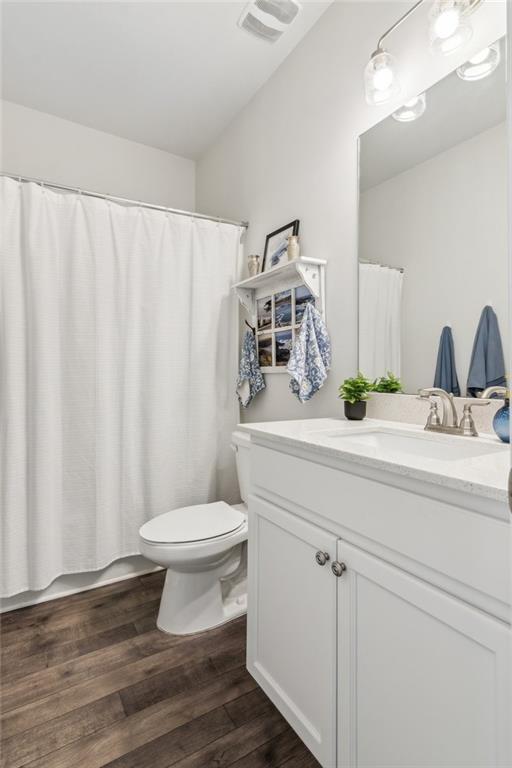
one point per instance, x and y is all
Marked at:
(118, 356)
(380, 298)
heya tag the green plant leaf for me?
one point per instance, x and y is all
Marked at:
(356, 389)
(387, 384)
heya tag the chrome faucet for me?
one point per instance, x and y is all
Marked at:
(449, 423)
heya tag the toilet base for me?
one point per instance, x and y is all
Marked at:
(197, 601)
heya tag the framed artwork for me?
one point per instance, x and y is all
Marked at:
(264, 313)
(283, 309)
(265, 350)
(284, 342)
(303, 297)
(278, 319)
(276, 244)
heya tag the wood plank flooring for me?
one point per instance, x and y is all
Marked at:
(89, 681)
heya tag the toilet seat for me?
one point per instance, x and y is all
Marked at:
(195, 524)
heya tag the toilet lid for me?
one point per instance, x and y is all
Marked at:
(202, 521)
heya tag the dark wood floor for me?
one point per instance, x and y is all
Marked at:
(88, 681)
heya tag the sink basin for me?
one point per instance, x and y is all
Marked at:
(396, 446)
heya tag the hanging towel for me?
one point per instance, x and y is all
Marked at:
(310, 358)
(487, 367)
(446, 373)
(250, 379)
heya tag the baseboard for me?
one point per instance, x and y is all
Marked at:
(127, 568)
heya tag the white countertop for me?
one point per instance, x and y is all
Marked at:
(485, 475)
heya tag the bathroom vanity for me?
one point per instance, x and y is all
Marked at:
(379, 591)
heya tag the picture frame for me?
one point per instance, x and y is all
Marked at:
(276, 244)
(278, 319)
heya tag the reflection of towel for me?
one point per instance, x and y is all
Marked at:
(250, 379)
(310, 358)
(446, 373)
(487, 367)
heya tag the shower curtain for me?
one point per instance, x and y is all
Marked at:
(118, 356)
(380, 297)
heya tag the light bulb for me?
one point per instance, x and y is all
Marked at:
(449, 26)
(411, 109)
(380, 78)
(481, 64)
(446, 23)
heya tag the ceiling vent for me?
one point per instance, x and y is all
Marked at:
(268, 19)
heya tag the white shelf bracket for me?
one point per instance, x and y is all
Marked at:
(246, 298)
(310, 274)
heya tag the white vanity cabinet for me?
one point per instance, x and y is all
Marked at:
(422, 676)
(291, 645)
(378, 665)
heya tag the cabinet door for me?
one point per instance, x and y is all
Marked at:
(291, 641)
(423, 677)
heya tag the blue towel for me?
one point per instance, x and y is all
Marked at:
(446, 373)
(310, 358)
(487, 367)
(250, 379)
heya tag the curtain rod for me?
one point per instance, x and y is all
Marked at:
(386, 266)
(124, 200)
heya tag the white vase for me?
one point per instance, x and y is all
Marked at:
(293, 249)
(253, 263)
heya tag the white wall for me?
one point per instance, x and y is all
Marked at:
(46, 147)
(292, 153)
(445, 222)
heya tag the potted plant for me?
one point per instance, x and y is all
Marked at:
(355, 393)
(389, 384)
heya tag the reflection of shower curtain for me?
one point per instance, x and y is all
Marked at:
(117, 365)
(380, 295)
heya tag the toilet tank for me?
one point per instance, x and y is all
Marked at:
(241, 442)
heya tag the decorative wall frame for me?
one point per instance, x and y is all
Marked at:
(276, 245)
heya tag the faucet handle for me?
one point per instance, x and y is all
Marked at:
(467, 423)
(433, 416)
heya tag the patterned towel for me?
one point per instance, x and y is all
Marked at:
(250, 379)
(310, 358)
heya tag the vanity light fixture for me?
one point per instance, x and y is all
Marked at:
(449, 28)
(412, 109)
(481, 64)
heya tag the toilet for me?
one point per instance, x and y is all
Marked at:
(204, 549)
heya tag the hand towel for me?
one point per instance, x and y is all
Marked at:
(310, 358)
(487, 367)
(446, 373)
(250, 379)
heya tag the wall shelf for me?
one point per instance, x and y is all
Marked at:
(303, 271)
(275, 336)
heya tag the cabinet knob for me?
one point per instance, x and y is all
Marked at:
(338, 568)
(322, 557)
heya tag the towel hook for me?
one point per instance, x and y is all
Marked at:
(251, 327)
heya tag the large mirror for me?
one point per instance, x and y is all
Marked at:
(433, 232)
